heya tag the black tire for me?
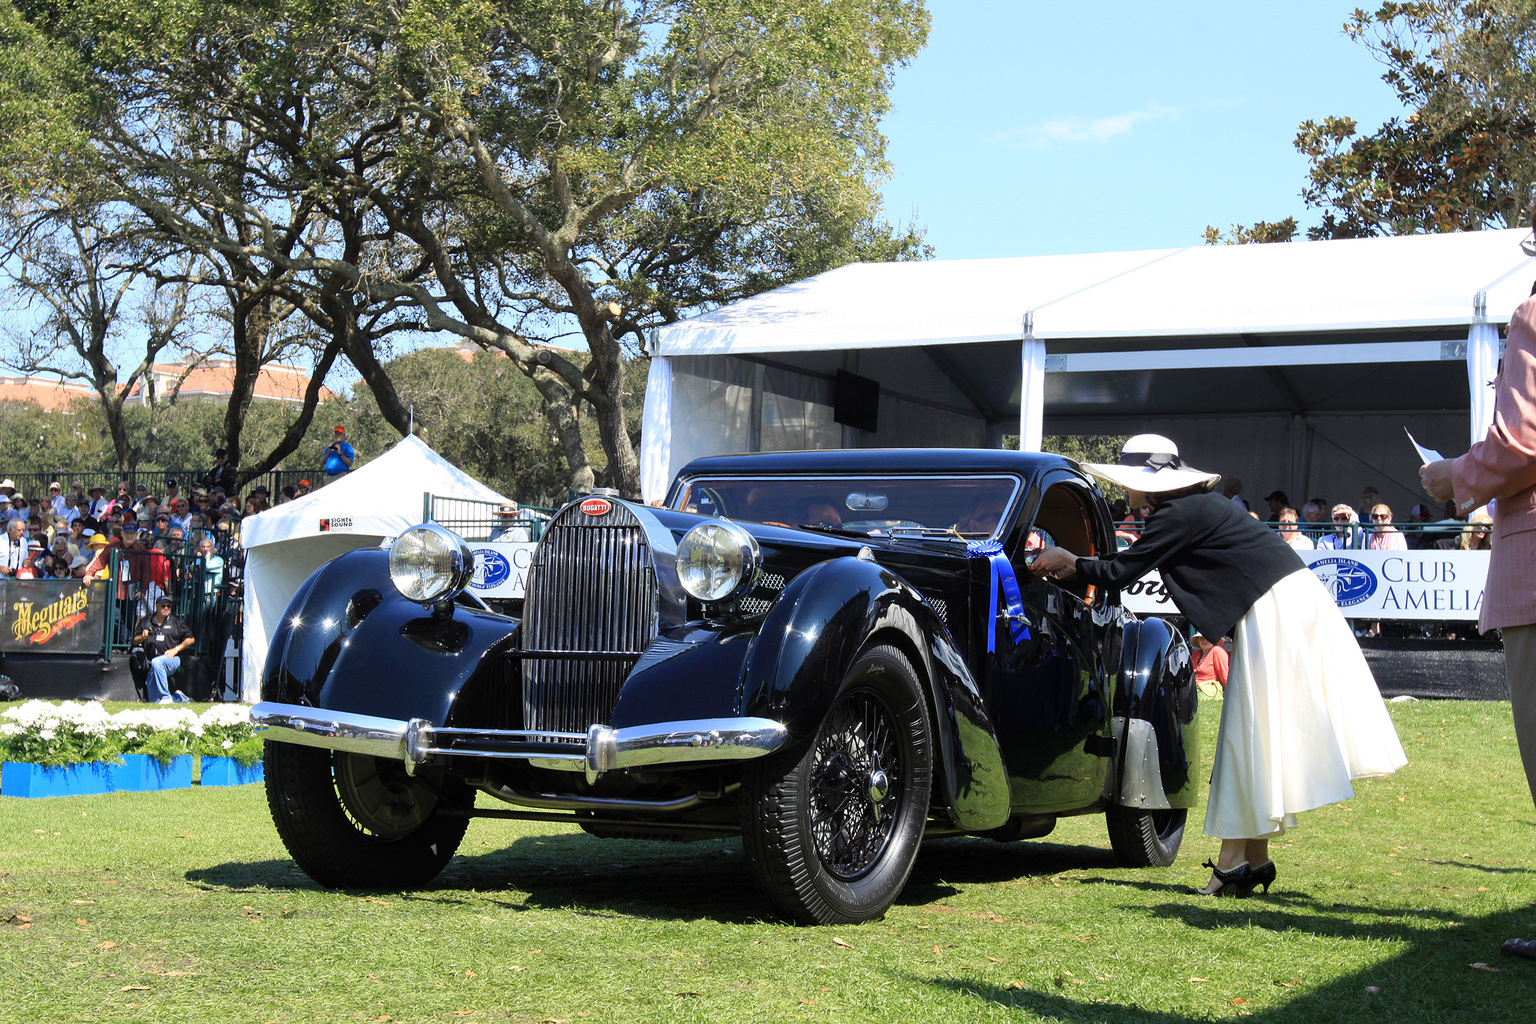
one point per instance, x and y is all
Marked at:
(352, 821)
(832, 828)
(1145, 839)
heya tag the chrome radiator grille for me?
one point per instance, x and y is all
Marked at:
(589, 613)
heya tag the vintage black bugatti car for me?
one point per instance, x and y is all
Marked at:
(831, 654)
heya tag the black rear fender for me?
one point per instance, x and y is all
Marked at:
(1159, 690)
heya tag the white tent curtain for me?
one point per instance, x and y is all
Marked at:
(656, 431)
(712, 399)
(1482, 365)
(1032, 394)
(797, 412)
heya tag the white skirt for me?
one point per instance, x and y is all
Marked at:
(1301, 718)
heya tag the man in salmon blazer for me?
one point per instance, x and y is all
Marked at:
(1502, 468)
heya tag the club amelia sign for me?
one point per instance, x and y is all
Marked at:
(501, 570)
(1371, 584)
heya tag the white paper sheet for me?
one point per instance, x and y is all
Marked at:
(1428, 455)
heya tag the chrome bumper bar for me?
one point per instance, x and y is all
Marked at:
(417, 741)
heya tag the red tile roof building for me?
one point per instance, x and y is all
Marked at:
(210, 380)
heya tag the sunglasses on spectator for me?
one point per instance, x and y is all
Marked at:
(1380, 515)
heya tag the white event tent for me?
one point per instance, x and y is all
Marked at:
(1293, 366)
(283, 545)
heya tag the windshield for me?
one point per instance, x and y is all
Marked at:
(873, 506)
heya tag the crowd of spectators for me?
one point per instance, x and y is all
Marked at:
(68, 534)
(150, 544)
(1317, 525)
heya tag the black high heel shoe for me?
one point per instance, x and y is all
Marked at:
(1231, 882)
(1260, 876)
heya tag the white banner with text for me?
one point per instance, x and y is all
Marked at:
(1370, 584)
(501, 570)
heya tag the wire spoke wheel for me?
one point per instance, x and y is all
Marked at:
(832, 827)
(853, 794)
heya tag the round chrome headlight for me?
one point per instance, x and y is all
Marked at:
(428, 564)
(718, 561)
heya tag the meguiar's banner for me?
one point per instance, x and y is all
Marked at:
(52, 616)
(1428, 584)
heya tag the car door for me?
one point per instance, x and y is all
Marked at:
(1049, 689)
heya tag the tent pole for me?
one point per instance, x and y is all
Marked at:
(1032, 388)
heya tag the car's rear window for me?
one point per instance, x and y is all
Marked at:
(875, 505)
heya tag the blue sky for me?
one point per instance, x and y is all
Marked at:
(1028, 127)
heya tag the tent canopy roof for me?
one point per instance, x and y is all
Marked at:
(1410, 284)
(382, 498)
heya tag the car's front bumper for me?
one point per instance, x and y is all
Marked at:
(601, 749)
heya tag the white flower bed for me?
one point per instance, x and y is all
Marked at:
(71, 732)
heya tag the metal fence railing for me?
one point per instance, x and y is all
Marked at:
(203, 595)
(35, 485)
(1445, 534)
(477, 521)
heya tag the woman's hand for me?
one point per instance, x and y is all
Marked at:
(1056, 563)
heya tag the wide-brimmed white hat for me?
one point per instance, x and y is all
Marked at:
(1151, 463)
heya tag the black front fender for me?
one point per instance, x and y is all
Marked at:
(349, 642)
(817, 629)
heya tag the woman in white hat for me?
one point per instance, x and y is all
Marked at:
(1302, 715)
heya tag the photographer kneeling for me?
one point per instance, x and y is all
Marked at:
(163, 637)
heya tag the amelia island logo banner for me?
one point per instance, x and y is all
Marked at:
(501, 569)
(1347, 580)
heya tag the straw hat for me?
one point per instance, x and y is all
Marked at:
(1150, 463)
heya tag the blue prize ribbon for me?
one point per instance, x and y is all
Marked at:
(1004, 579)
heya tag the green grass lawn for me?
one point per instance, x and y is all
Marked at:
(183, 906)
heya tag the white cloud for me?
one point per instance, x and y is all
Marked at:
(1069, 130)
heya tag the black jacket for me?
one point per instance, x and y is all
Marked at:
(162, 636)
(1215, 560)
(221, 476)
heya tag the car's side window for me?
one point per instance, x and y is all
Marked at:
(1064, 514)
(1064, 519)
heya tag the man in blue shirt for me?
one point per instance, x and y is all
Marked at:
(338, 456)
(1347, 534)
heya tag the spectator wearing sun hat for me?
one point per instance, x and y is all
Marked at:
(18, 509)
(97, 501)
(508, 530)
(338, 455)
(99, 546)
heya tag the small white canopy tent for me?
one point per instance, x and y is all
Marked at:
(283, 545)
(1293, 365)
